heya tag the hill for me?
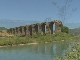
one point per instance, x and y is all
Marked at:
(75, 31)
(3, 32)
(3, 28)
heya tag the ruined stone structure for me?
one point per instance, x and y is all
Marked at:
(39, 28)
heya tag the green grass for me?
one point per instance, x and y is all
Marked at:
(37, 38)
(73, 54)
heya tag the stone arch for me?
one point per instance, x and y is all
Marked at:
(58, 26)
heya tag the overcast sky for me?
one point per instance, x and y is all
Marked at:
(36, 10)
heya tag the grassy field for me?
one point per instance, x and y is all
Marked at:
(37, 38)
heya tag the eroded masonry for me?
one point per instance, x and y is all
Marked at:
(38, 28)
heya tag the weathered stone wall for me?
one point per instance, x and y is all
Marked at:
(48, 31)
(39, 28)
(51, 26)
(19, 31)
(16, 31)
(58, 25)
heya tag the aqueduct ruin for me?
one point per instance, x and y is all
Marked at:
(38, 28)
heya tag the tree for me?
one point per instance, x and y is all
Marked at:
(65, 29)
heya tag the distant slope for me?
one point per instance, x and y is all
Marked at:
(4, 33)
(3, 28)
(15, 23)
(75, 31)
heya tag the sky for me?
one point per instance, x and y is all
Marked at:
(21, 12)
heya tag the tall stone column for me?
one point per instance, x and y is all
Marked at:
(48, 28)
(30, 29)
(40, 29)
(23, 31)
(36, 28)
(43, 28)
(16, 31)
(19, 31)
(33, 29)
(58, 25)
(27, 30)
(51, 27)
(13, 30)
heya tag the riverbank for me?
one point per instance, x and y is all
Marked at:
(19, 45)
(73, 54)
(14, 41)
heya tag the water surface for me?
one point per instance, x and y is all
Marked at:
(46, 51)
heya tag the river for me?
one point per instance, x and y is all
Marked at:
(40, 51)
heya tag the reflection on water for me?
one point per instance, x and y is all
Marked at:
(46, 51)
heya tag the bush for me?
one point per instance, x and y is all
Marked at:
(65, 29)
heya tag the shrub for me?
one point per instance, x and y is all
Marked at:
(65, 29)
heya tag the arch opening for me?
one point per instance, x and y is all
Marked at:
(54, 28)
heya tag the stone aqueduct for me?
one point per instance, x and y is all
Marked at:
(38, 28)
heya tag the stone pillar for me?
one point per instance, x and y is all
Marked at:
(51, 27)
(43, 28)
(23, 31)
(33, 29)
(40, 29)
(19, 31)
(30, 30)
(36, 28)
(13, 30)
(16, 31)
(58, 25)
(48, 28)
(26, 29)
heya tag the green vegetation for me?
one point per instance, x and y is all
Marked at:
(37, 38)
(65, 29)
(3, 28)
(75, 31)
(73, 54)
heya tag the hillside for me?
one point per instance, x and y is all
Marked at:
(3, 28)
(3, 32)
(75, 31)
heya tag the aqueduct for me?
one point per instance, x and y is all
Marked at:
(38, 28)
